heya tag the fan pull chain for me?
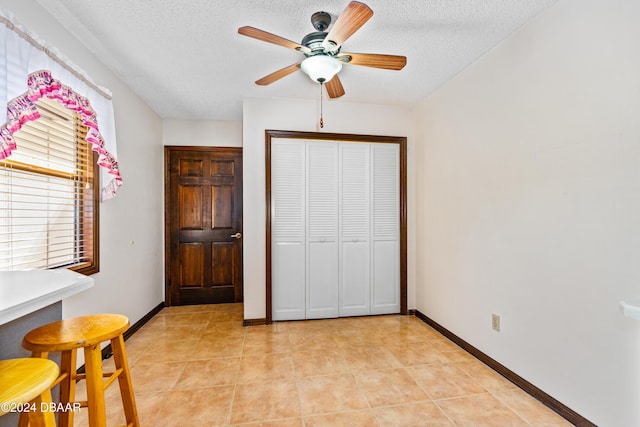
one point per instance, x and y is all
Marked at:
(321, 121)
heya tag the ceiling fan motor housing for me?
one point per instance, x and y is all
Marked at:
(314, 41)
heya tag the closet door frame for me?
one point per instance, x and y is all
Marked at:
(342, 137)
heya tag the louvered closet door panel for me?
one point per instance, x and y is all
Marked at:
(385, 193)
(354, 230)
(288, 229)
(322, 230)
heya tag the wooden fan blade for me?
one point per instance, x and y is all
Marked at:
(353, 17)
(375, 60)
(334, 87)
(271, 38)
(277, 75)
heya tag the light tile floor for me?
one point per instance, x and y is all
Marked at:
(198, 366)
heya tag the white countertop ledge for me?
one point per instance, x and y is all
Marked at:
(631, 308)
(23, 292)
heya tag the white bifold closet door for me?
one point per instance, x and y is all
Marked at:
(355, 230)
(335, 229)
(322, 230)
(385, 228)
(288, 233)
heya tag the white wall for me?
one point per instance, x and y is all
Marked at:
(302, 115)
(220, 133)
(131, 243)
(528, 205)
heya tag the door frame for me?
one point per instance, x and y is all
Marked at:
(342, 137)
(167, 176)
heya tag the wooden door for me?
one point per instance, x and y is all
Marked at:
(203, 225)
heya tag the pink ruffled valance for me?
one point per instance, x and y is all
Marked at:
(22, 109)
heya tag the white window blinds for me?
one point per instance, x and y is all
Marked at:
(47, 194)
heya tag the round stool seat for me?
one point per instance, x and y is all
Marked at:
(75, 333)
(23, 380)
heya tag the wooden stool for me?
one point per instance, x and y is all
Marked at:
(87, 333)
(25, 386)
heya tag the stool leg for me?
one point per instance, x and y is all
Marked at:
(67, 386)
(43, 416)
(24, 419)
(124, 381)
(95, 386)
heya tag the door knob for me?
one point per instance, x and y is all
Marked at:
(236, 236)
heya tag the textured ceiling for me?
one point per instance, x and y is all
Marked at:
(187, 61)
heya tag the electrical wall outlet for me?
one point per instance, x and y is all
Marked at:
(495, 322)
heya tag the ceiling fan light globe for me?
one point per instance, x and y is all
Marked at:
(321, 68)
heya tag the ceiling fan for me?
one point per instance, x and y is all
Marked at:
(322, 50)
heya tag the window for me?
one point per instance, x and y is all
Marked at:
(49, 195)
